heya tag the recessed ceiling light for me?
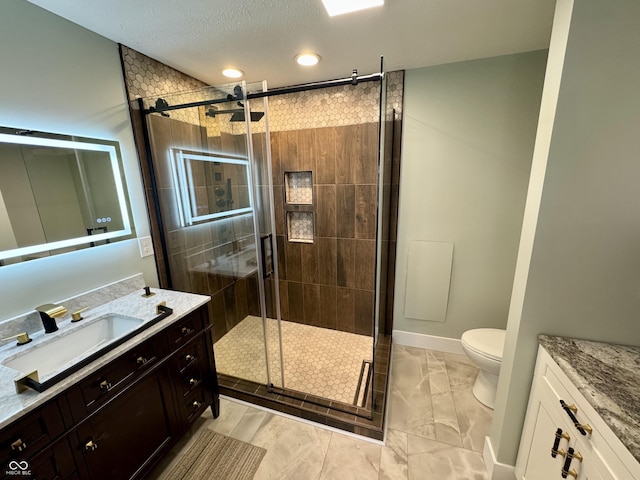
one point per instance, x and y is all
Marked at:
(232, 73)
(338, 7)
(307, 59)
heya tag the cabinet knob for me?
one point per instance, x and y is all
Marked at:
(192, 381)
(105, 386)
(188, 358)
(18, 446)
(90, 446)
(185, 330)
(141, 360)
(196, 404)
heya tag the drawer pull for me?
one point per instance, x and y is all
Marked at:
(90, 446)
(186, 330)
(196, 404)
(105, 386)
(188, 358)
(567, 463)
(571, 454)
(192, 381)
(18, 446)
(556, 444)
(570, 409)
(141, 360)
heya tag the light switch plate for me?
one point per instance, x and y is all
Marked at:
(146, 246)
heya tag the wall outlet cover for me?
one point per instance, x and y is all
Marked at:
(146, 246)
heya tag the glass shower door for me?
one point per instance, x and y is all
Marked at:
(213, 216)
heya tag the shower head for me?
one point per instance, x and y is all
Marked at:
(240, 117)
(237, 114)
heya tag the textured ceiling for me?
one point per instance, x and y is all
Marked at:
(261, 37)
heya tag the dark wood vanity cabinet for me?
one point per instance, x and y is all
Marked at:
(130, 431)
(121, 419)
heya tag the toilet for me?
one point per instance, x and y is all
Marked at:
(484, 347)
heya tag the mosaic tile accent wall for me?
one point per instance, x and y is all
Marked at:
(336, 106)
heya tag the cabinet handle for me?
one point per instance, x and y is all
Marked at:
(105, 386)
(571, 454)
(90, 446)
(18, 446)
(556, 444)
(196, 404)
(188, 358)
(141, 360)
(192, 381)
(185, 330)
(570, 409)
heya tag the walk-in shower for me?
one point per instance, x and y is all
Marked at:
(278, 205)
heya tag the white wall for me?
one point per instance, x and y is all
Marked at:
(56, 76)
(469, 130)
(581, 277)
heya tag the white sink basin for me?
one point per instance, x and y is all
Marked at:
(63, 350)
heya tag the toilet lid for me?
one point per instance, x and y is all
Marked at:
(485, 341)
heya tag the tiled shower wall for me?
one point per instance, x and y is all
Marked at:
(331, 132)
(330, 282)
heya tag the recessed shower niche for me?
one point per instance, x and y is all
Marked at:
(298, 192)
(298, 188)
(300, 227)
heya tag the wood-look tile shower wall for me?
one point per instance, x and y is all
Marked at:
(330, 283)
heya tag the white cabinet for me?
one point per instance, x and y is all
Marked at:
(564, 437)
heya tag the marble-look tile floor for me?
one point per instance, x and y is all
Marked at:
(435, 430)
(318, 361)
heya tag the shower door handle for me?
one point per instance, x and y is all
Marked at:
(266, 272)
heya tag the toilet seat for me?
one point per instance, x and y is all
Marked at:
(487, 342)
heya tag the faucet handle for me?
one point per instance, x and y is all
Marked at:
(77, 315)
(23, 338)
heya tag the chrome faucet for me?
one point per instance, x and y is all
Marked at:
(48, 313)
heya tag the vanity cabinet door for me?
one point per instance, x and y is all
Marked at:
(127, 437)
(541, 465)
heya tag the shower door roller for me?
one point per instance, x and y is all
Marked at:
(267, 266)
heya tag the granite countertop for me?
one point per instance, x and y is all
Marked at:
(609, 378)
(14, 405)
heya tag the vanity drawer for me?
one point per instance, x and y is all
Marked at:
(195, 403)
(185, 329)
(53, 463)
(31, 433)
(189, 357)
(190, 378)
(101, 385)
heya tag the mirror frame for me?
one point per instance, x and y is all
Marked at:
(108, 147)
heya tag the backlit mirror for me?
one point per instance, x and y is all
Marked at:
(59, 193)
(210, 186)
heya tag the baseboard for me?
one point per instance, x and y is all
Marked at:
(495, 469)
(430, 342)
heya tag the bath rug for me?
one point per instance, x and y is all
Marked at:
(214, 456)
